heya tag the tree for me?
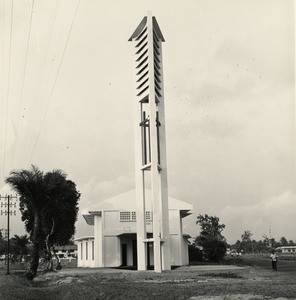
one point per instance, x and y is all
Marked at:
(60, 212)
(267, 240)
(29, 184)
(237, 245)
(3, 244)
(283, 241)
(247, 242)
(247, 236)
(211, 238)
(195, 253)
(41, 197)
(20, 245)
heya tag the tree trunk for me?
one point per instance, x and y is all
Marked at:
(32, 272)
(59, 266)
(49, 266)
(21, 255)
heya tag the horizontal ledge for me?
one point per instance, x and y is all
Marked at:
(148, 167)
(152, 240)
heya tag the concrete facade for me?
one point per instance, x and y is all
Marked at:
(114, 242)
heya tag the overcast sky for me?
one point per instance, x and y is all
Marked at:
(67, 102)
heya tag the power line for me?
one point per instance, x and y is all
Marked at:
(24, 75)
(29, 137)
(8, 85)
(55, 80)
(3, 71)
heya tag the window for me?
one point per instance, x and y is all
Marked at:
(81, 250)
(93, 250)
(125, 216)
(149, 215)
(86, 250)
(131, 216)
(128, 216)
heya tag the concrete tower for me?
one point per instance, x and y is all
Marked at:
(150, 155)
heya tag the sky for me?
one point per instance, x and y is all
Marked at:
(229, 89)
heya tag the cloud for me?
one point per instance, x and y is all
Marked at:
(95, 190)
(276, 213)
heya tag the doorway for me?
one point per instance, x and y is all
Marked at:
(124, 254)
(135, 257)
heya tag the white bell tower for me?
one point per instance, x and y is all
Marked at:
(150, 143)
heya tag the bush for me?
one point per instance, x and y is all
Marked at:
(195, 254)
(214, 250)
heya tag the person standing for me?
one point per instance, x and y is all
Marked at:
(274, 259)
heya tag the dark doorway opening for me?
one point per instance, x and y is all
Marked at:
(148, 255)
(135, 257)
(124, 254)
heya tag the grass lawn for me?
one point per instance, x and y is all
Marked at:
(254, 281)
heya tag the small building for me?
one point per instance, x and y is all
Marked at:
(287, 249)
(67, 251)
(114, 242)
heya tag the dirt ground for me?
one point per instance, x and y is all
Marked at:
(201, 282)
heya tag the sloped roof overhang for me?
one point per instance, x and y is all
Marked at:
(84, 238)
(89, 216)
(185, 213)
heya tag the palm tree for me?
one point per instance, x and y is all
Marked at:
(49, 207)
(247, 236)
(20, 243)
(29, 184)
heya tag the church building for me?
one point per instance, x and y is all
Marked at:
(114, 242)
(142, 227)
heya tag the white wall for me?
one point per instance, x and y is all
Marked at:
(85, 258)
(185, 254)
(112, 251)
(174, 216)
(175, 255)
(113, 225)
(107, 245)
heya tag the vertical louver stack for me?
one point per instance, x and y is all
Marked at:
(140, 36)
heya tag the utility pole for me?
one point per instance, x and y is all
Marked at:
(7, 211)
(251, 234)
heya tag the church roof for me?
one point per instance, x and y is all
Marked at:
(127, 202)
